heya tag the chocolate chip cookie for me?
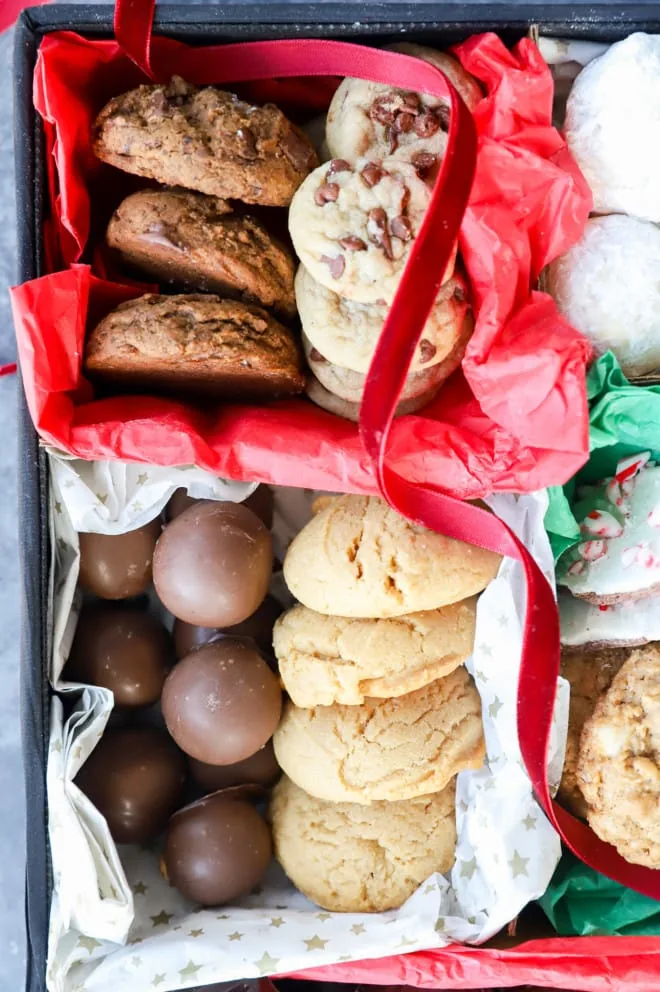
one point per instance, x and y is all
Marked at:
(192, 345)
(352, 226)
(198, 241)
(207, 140)
(371, 120)
(347, 333)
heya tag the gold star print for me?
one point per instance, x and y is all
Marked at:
(463, 806)
(139, 889)
(190, 971)
(136, 962)
(345, 957)
(495, 707)
(58, 506)
(315, 943)
(482, 677)
(358, 928)
(161, 919)
(142, 478)
(489, 784)
(235, 935)
(472, 920)
(518, 864)
(158, 980)
(102, 498)
(57, 746)
(195, 933)
(137, 506)
(323, 917)
(88, 943)
(486, 650)
(503, 620)
(276, 921)
(529, 823)
(440, 924)
(223, 916)
(468, 868)
(431, 887)
(405, 942)
(266, 964)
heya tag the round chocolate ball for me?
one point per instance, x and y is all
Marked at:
(135, 778)
(259, 627)
(260, 502)
(118, 566)
(212, 565)
(216, 849)
(123, 649)
(260, 768)
(222, 703)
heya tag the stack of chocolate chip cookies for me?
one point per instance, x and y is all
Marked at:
(382, 714)
(353, 222)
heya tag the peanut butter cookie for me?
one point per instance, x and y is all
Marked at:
(384, 749)
(205, 139)
(362, 859)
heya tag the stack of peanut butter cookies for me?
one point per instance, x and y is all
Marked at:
(353, 222)
(382, 714)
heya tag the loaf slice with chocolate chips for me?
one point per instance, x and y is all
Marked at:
(194, 345)
(207, 140)
(200, 242)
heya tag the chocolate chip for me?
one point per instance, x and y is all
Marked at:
(411, 102)
(423, 162)
(159, 103)
(371, 174)
(378, 233)
(326, 193)
(337, 165)
(298, 151)
(247, 143)
(401, 229)
(427, 350)
(404, 123)
(316, 356)
(426, 125)
(442, 114)
(459, 294)
(392, 139)
(336, 265)
(353, 243)
(382, 110)
(178, 87)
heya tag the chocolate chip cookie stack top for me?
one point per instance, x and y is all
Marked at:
(214, 149)
(382, 714)
(353, 221)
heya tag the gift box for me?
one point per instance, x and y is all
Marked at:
(583, 963)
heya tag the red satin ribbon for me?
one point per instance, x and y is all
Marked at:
(9, 369)
(429, 256)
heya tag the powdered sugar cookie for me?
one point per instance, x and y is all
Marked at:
(346, 332)
(353, 226)
(619, 556)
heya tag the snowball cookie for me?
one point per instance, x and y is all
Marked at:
(362, 859)
(325, 660)
(358, 557)
(387, 749)
(346, 333)
(613, 127)
(608, 286)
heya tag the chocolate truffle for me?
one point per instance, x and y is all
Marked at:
(135, 778)
(259, 627)
(260, 768)
(260, 502)
(212, 565)
(123, 649)
(118, 566)
(222, 703)
(216, 849)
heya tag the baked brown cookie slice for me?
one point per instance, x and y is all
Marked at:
(589, 674)
(195, 345)
(207, 140)
(619, 764)
(198, 241)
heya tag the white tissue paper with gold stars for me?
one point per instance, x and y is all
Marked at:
(117, 924)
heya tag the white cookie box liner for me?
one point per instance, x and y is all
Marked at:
(116, 924)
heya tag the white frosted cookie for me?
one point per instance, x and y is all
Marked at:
(613, 127)
(625, 625)
(372, 120)
(346, 332)
(607, 286)
(618, 559)
(352, 227)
